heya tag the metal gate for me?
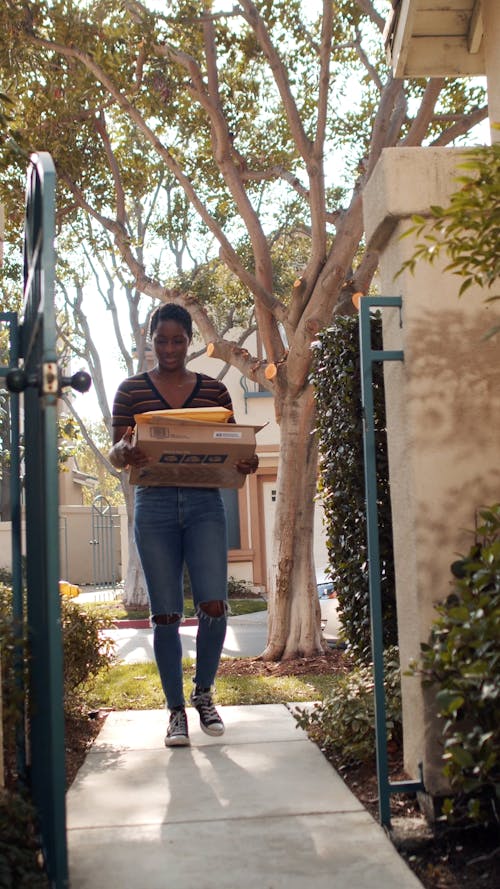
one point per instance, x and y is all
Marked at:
(39, 378)
(103, 543)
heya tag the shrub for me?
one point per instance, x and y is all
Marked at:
(240, 589)
(336, 377)
(85, 650)
(12, 650)
(343, 724)
(20, 864)
(462, 661)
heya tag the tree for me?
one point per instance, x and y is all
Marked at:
(248, 112)
(107, 485)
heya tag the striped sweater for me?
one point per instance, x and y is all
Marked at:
(138, 394)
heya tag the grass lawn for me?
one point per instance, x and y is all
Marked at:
(118, 611)
(137, 687)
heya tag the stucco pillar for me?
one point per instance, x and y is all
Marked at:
(443, 418)
(491, 22)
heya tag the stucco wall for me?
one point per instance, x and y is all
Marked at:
(76, 556)
(443, 413)
(81, 551)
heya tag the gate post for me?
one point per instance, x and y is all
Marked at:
(40, 381)
(47, 768)
(368, 356)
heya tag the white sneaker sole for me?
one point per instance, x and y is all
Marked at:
(215, 731)
(177, 741)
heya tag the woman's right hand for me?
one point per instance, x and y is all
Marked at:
(124, 453)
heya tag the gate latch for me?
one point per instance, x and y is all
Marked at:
(50, 379)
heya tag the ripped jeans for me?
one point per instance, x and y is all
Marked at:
(173, 527)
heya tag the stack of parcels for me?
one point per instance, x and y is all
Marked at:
(195, 448)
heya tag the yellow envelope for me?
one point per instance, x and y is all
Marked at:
(200, 414)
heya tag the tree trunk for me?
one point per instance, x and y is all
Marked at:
(294, 614)
(135, 590)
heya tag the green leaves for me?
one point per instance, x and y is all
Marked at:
(449, 702)
(337, 384)
(468, 230)
(462, 661)
(344, 722)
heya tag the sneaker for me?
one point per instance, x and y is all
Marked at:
(177, 731)
(210, 721)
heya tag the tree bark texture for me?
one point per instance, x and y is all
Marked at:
(294, 625)
(135, 592)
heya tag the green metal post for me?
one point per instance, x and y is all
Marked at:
(47, 754)
(368, 356)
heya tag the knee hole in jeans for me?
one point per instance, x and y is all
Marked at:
(165, 619)
(214, 608)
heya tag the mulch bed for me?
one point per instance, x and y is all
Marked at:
(331, 661)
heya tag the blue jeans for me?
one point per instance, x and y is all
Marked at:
(173, 527)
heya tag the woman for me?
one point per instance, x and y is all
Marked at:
(177, 525)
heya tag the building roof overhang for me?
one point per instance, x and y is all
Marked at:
(435, 38)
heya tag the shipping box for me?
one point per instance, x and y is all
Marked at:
(188, 453)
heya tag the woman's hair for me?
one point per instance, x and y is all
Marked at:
(171, 312)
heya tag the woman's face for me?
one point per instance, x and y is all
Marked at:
(170, 343)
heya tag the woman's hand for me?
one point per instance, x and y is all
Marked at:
(247, 467)
(124, 453)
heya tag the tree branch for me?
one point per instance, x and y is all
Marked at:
(312, 153)
(388, 119)
(102, 131)
(420, 124)
(87, 437)
(92, 356)
(236, 355)
(372, 71)
(280, 74)
(462, 126)
(367, 7)
(230, 165)
(315, 168)
(230, 256)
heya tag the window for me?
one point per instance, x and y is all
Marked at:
(230, 498)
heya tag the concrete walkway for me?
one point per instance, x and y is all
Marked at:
(245, 637)
(259, 808)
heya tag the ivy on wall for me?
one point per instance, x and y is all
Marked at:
(336, 377)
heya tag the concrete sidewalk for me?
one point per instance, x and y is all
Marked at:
(245, 637)
(259, 808)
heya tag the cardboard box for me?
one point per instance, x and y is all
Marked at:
(187, 453)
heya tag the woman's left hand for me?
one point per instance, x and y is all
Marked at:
(246, 467)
